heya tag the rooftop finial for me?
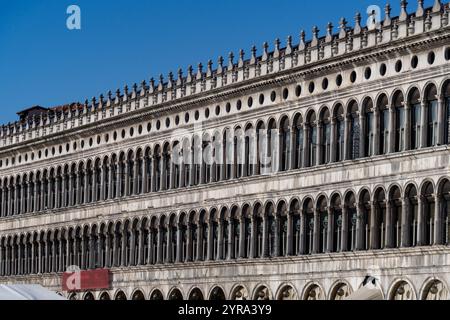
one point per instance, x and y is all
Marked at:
(265, 53)
(180, 77)
(357, 29)
(209, 69)
(315, 37)
(403, 14)
(437, 6)
(199, 71)
(253, 57)
(419, 11)
(343, 28)
(230, 60)
(276, 52)
(387, 15)
(329, 35)
(289, 45)
(301, 45)
(241, 58)
(220, 65)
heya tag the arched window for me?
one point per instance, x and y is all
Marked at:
(336, 225)
(148, 170)
(227, 147)
(197, 157)
(139, 184)
(322, 209)
(339, 131)
(271, 231)
(444, 227)
(297, 132)
(311, 131)
(285, 144)
(416, 115)
(249, 154)
(123, 175)
(325, 136)
(272, 152)
(447, 113)
(378, 240)
(428, 202)
(167, 168)
(89, 181)
(157, 169)
(395, 230)
(206, 159)
(308, 211)
(363, 221)
(368, 130)
(399, 122)
(259, 229)
(432, 116)
(411, 216)
(187, 162)
(383, 120)
(354, 131)
(260, 147)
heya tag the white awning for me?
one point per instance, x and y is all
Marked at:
(367, 292)
(27, 292)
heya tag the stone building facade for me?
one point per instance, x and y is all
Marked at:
(330, 161)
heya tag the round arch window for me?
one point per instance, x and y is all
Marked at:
(414, 62)
(228, 107)
(431, 57)
(325, 84)
(206, 113)
(186, 117)
(239, 105)
(167, 122)
(339, 80)
(273, 96)
(398, 66)
(285, 93)
(311, 87)
(383, 69)
(367, 73)
(158, 125)
(197, 115)
(353, 77)
(177, 120)
(298, 90)
(217, 110)
(261, 99)
(250, 102)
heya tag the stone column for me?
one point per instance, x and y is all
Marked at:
(316, 232)
(440, 128)
(359, 227)
(408, 124)
(319, 143)
(306, 151)
(159, 251)
(290, 234)
(405, 240)
(136, 174)
(423, 124)
(199, 242)
(70, 190)
(346, 138)
(210, 244)
(362, 134)
(107, 263)
(420, 221)
(344, 231)
(276, 220)
(124, 261)
(150, 246)
(100, 256)
(376, 128)
(330, 230)
(389, 225)
(302, 233)
(110, 181)
(144, 175)
(126, 173)
(189, 256)
(333, 141)
(391, 145)
(132, 260)
(179, 243)
(220, 237)
(118, 180)
(141, 248)
(242, 238)
(265, 242)
(437, 220)
(153, 179)
(230, 239)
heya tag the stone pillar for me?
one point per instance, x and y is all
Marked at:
(210, 244)
(141, 248)
(159, 249)
(437, 220)
(199, 242)
(127, 179)
(344, 231)
(70, 190)
(136, 174)
(168, 258)
(179, 243)
(389, 225)
(153, 179)
(124, 261)
(306, 151)
(330, 230)
(265, 244)
(290, 234)
(420, 221)
(242, 238)
(423, 124)
(220, 239)
(359, 227)
(333, 141)
(346, 138)
(276, 220)
(150, 246)
(302, 233)
(405, 240)
(316, 232)
(118, 180)
(189, 243)
(100, 256)
(107, 263)
(391, 144)
(440, 118)
(376, 128)
(144, 175)
(132, 260)
(110, 181)
(319, 143)
(407, 126)
(230, 239)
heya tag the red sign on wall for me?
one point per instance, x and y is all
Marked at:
(86, 280)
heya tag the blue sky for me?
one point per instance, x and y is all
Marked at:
(122, 42)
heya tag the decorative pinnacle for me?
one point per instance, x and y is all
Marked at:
(403, 13)
(437, 6)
